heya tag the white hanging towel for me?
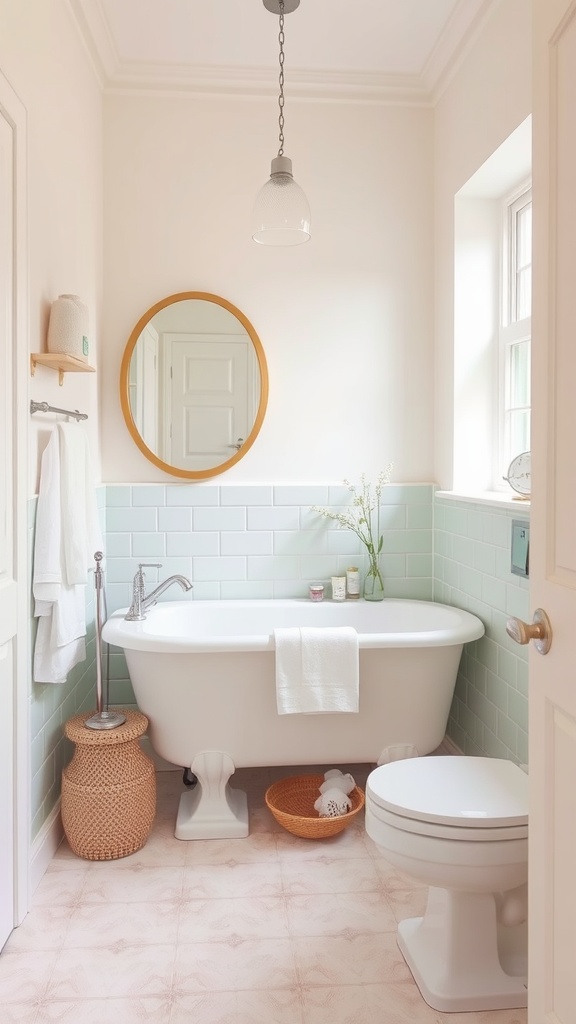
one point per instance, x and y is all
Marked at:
(67, 535)
(317, 670)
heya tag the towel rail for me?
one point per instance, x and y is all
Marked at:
(44, 407)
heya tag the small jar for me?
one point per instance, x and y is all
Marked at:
(352, 583)
(338, 588)
(316, 592)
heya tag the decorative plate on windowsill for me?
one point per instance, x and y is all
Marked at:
(519, 476)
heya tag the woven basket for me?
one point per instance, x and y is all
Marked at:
(291, 801)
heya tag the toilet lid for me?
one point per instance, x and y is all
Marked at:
(483, 792)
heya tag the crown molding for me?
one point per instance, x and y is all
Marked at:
(117, 75)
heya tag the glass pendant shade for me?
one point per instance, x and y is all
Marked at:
(281, 212)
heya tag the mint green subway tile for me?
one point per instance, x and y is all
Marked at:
(419, 565)
(393, 517)
(208, 591)
(148, 545)
(311, 520)
(118, 595)
(484, 558)
(419, 517)
(404, 541)
(313, 568)
(416, 589)
(487, 653)
(502, 564)
(503, 530)
(479, 674)
(392, 565)
(471, 724)
(517, 602)
(122, 693)
(149, 494)
(134, 520)
(273, 518)
(497, 691)
(479, 608)
(463, 550)
(290, 589)
(470, 581)
(475, 525)
(442, 543)
(494, 747)
(210, 518)
(119, 544)
(246, 542)
(507, 666)
(115, 665)
(242, 590)
(246, 495)
(339, 495)
(518, 709)
(494, 592)
(182, 544)
(523, 746)
(407, 494)
(118, 496)
(233, 567)
(456, 521)
(300, 494)
(298, 542)
(507, 731)
(268, 567)
(483, 708)
(522, 674)
(451, 573)
(192, 495)
(341, 542)
(175, 519)
(121, 570)
(171, 567)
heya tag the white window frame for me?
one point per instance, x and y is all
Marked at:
(512, 331)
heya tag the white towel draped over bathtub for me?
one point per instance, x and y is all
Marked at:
(67, 535)
(316, 670)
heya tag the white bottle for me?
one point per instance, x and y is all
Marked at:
(338, 588)
(352, 583)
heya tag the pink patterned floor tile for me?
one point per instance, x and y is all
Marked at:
(367, 959)
(119, 970)
(256, 917)
(349, 844)
(366, 1004)
(42, 928)
(255, 849)
(324, 875)
(136, 883)
(346, 914)
(105, 1011)
(234, 965)
(133, 924)
(232, 880)
(25, 976)
(279, 1006)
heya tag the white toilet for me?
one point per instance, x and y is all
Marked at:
(459, 825)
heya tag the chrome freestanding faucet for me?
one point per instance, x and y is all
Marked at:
(142, 601)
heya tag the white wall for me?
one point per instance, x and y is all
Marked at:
(42, 56)
(345, 320)
(486, 100)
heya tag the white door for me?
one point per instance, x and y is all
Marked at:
(14, 732)
(208, 400)
(552, 844)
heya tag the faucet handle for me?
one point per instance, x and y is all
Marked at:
(149, 565)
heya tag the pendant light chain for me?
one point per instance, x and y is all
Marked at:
(281, 80)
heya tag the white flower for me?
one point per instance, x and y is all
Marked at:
(359, 516)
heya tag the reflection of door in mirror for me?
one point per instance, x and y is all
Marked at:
(209, 397)
(194, 384)
(144, 386)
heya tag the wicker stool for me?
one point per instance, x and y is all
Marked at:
(108, 789)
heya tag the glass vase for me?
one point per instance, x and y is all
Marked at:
(374, 581)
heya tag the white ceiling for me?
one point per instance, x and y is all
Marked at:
(364, 49)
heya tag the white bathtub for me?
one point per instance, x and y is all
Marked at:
(203, 672)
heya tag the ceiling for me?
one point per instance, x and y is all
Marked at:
(359, 49)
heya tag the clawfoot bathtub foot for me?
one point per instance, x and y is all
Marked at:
(212, 810)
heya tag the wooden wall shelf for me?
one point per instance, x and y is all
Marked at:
(61, 362)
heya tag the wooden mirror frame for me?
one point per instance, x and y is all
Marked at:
(190, 474)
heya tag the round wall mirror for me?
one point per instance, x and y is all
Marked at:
(194, 385)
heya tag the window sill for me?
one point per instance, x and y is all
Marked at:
(497, 499)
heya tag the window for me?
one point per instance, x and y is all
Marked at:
(516, 329)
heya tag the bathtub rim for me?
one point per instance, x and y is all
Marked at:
(138, 636)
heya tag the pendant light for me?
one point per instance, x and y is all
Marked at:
(281, 213)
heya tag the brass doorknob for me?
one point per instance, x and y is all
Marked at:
(539, 630)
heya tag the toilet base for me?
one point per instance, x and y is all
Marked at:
(453, 954)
